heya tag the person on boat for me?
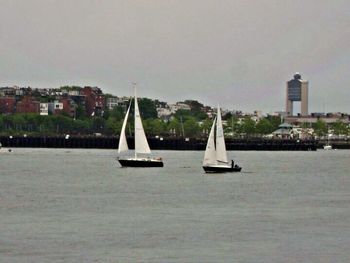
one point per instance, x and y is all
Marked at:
(232, 163)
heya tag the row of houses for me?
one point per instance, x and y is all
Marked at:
(68, 99)
(51, 101)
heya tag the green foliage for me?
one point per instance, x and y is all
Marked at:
(248, 126)
(340, 128)
(32, 123)
(117, 113)
(320, 128)
(186, 114)
(264, 126)
(98, 124)
(191, 127)
(154, 127)
(80, 112)
(275, 122)
(206, 126)
(147, 108)
(113, 126)
(174, 127)
(70, 88)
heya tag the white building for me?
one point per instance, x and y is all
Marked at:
(56, 105)
(44, 108)
(116, 101)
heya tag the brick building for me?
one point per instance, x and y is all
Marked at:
(7, 105)
(28, 105)
(95, 101)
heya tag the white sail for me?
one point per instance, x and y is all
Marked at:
(221, 155)
(210, 152)
(123, 144)
(141, 144)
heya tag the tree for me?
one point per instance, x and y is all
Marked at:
(275, 121)
(113, 125)
(248, 126)
(154, 126)
(191, 127)
(98, 124)
(174, 127)
(264, 126)
(80, 112)
(117, 112)
(206, 126)
(147, 108)
(340, 128)
(320, 128)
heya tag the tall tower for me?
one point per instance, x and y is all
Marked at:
(297, 90)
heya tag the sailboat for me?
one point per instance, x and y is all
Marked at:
(327, 146)
(215, 156)
(141, 144)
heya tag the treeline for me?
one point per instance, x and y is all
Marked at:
(184, 123)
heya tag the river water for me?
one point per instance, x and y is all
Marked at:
(60, 205)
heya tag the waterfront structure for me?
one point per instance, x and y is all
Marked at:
(330, 119)
(284, 131)
(297, 90)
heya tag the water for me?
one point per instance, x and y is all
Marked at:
(59, 205)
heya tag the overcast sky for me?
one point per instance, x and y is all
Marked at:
(236, 53)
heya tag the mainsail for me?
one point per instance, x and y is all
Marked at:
(141, 144)
(221, 155)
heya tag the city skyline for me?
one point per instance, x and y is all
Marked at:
(238, 54)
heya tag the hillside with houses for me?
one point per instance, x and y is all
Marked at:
(89, 111)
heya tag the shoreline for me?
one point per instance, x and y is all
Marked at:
(104, 142)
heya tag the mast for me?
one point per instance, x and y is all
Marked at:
(135, 102)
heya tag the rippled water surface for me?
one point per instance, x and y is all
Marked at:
(60, 205)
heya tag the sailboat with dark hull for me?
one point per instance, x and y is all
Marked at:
(141, 144)
(215, 157)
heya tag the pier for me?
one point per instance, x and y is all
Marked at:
(104, 142)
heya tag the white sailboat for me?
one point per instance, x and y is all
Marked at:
(327, 146)
(215, 156)
(141, 144)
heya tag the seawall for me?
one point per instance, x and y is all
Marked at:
(102, 142)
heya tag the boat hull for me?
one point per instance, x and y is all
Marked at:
(327, 147)
(141, 163)
(221, 169)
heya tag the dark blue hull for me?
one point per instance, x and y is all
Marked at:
(216, 169)
(140, 163)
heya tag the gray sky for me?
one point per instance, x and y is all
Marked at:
(238, 53)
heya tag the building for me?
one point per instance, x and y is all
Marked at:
(118, 101)
(44, 109)
(297, 90)
(55, 107)
(28, 105)
(284, 131)
(330, 119)
(69, 106)
(7, 105)
(95, 101)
